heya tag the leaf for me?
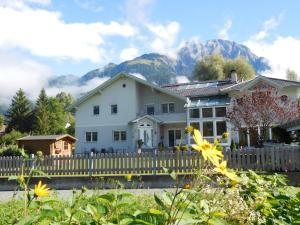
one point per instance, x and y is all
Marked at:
(27, 220)
(160, 202)
(217, 221)
(13, 178)
(155, 212)
(170, 172)
(109, 197)
(40, 172)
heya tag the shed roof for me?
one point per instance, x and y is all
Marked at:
(46, 137)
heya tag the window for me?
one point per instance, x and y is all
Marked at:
(66, 145)
(207, 112)
(168, 108)
(221, 128)
(96, 110)
(195, 125)
(194, 113)
(220, 111)
(114, 109)
(208, 129)
(174, 137)
(150, 109)
(91, 136)
(120, 135)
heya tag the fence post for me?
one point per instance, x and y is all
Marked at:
(32, 160)
(154, 157)
(91, 164)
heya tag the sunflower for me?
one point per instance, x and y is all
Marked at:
(222, 169)
(41, 190)
(209, 152)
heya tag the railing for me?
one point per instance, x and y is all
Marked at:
(263, 159)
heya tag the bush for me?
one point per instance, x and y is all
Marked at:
(11, 137)
(12, 150)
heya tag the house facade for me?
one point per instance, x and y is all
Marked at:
(125, 109)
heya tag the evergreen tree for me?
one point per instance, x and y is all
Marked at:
(42, 114)
(58, 119)
(19, 114)
(1, 121)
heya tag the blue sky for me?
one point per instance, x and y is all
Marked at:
(41, 39)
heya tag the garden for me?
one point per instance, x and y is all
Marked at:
(216, 195)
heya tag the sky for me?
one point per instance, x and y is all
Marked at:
(41, 39)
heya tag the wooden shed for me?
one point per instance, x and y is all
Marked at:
(48, 144)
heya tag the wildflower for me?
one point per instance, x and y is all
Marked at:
(22, 179)
(222, 169)
(225, 135)
(209, 152)
(189, 130)
(129, 177)
(41, 190)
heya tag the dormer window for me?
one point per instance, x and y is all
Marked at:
(96, 110)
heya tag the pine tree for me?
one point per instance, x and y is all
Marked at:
(57, 120)
(19, 114)
(42, 114)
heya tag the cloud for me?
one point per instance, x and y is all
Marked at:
(138, 75)
(182, 79)
(164, 37)
(90, 5)
(129, 53)
(223, 33)
(268, 25)
(137, 11)
(283, 52)
(50, 36)
(20, 4)
(77, 90)
(17, 71)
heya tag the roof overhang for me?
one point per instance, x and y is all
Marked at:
(100, 88)
(152, 118)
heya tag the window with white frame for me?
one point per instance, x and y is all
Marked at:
(150, 109)
(207, 112)
(91, 136)
(221, 127)
(194, 113)
(168, 107)
(208, 129)
(120, 135)
(220, 111)
(174, 137)
(114, 108)
(96, 110)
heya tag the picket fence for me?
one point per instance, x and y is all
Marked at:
(263, 159)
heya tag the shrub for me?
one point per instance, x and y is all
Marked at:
(12, 150)
(11, 137)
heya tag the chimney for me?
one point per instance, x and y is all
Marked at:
(233, 76)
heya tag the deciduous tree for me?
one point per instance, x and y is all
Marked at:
(292, 75)
(263, 108)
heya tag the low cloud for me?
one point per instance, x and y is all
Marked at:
(182, 79)
(138, 75)
(223, 33)
(129, 53)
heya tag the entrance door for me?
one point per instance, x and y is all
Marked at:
(145, 133)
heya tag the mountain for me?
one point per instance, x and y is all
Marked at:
(162, 69)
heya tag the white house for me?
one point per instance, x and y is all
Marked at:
(124, 109)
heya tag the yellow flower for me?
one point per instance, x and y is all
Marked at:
(187, 186)
(225, 135)
(222, 169)
(41, 190)
(21, 179)
(189, 129)
(209, 152)
(129, 177)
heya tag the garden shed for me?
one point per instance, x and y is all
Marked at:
(48, 144)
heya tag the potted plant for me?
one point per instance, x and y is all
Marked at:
(140, 144)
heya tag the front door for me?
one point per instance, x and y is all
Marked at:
(145, 133)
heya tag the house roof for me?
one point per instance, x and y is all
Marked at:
(200, 89)
(46, 137)
(107, 83)
(273, 81)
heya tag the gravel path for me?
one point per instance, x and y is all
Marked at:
(67, 194)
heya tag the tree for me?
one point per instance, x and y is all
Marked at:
(1, 121)
(261, 108)
(244, 70)
(291, 75)
(19, 114)
(210, 68)
(215, 67)
(57, 120)
(65, 99)
(42, 114)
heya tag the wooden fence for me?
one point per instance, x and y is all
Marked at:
(267, 159)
